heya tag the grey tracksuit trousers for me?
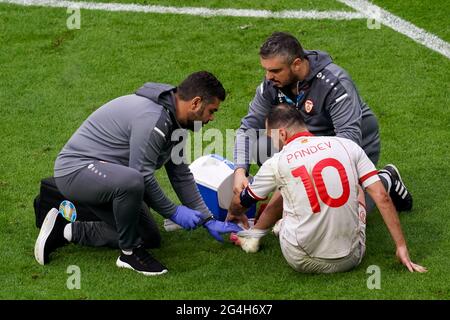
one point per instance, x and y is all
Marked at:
(116, 195)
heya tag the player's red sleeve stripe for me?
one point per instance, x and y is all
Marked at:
(367, 176)
(254, 195)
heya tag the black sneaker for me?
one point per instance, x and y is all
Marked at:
(50, 237)
(399, 194)
(141, 261)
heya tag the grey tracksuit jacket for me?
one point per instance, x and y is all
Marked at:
(330, 105)
(135, 131)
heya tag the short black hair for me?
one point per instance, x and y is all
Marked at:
(282, 44)
(283, 115)
(201, 84)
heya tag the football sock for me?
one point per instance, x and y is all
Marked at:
(68, 232)
(386, 180)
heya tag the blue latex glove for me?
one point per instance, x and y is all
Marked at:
(187, 218)
(215, 228)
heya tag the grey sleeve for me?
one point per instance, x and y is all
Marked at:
(344, 107)
(146, 144)
(183, 183)
(247, 133)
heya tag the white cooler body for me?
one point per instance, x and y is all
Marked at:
(214, 177)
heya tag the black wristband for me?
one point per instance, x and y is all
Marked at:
(246, 199)
(207, 219)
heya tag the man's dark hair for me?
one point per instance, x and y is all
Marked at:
(282, 44)
(284, 116)
(201, 84)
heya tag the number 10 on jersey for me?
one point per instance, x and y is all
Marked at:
(317, 182)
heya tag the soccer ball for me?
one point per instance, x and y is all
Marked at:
(68, 211)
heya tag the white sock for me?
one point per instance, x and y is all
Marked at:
(127, 252)
(387, 177)
(68, 232)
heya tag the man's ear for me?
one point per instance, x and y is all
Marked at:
(296, 64)
(283, 134)
(196, 103)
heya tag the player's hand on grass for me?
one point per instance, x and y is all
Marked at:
(187, 218)
(216, 228)
(403, 256)
(240, 181)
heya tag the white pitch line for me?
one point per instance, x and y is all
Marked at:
(364, 9)
(198, 11)
(417, 34)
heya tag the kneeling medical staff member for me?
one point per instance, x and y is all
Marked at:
(109, 165)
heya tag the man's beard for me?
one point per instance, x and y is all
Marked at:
(190, 125)
(290, 82)
(195, 124)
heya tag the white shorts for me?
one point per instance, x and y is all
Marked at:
(300, 261)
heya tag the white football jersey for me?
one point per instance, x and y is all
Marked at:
(318, 178)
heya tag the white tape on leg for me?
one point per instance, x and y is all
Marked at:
(250, 239)
(250, 245)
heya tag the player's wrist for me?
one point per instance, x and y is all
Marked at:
(241, 172)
